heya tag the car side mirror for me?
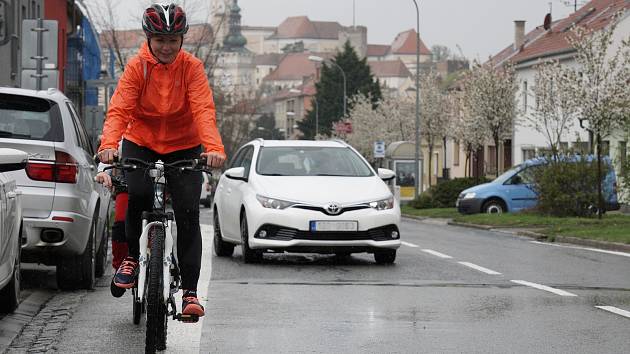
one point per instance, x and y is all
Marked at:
(12, 159)
(386, 174)
(236, 173)
(517, 179)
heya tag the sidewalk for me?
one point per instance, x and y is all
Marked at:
(527, 232)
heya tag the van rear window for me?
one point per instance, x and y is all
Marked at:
(31, 118)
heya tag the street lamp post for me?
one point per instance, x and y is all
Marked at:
(343, 74)
(417, 151)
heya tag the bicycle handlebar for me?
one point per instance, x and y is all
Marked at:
(130, 164)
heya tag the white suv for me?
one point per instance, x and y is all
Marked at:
(65, 212)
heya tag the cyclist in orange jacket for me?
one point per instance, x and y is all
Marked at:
(163, 109)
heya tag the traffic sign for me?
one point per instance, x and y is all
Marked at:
(379, 149)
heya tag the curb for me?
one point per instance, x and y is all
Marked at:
(12, 324)
(605, 245)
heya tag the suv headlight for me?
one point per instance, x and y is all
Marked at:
(383, 204)
(469, 195)
(273, 203)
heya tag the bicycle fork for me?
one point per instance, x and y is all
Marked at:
(169, 254)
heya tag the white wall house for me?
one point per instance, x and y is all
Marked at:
(550, 44)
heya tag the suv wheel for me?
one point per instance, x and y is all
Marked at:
(79, 271)
(101, 255)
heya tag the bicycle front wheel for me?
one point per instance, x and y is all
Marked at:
(156, 307)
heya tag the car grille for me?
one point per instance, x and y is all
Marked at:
(323, 210)
(278, 233)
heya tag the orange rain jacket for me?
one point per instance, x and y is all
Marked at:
(164, 107)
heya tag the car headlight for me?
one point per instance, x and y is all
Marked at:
(383, 204)
(470, 195)
(273, 203)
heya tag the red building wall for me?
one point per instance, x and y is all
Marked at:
(58, 10)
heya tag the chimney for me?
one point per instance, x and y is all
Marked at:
(519, 34)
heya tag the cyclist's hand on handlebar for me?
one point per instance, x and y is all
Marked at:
(107, 156)
(105, 179)
(214, 159)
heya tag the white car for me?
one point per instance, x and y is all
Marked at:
(304, 196)
(10, 227)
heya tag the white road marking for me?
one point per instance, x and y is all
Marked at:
(543, 287)
(409, 244)
(624, 254)
(436, 253)
(479, 268)
(615, 310)
(186, 337)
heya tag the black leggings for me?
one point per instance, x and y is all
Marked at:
(185, 189)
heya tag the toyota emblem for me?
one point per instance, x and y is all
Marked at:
(333, 208)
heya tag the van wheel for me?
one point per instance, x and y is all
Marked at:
(494, 206)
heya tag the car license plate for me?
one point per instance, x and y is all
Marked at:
(334, 226)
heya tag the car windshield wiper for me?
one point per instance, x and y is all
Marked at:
(7, 134)
(273, 174)
(331, 174)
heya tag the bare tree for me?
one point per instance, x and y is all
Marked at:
(490, 97)
(109, 27)
(554, 111)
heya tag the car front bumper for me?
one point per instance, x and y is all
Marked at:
(289, 229)
(469, 206)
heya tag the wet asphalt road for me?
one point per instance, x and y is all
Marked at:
(452, 290)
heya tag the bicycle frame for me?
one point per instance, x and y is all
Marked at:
(170, 242)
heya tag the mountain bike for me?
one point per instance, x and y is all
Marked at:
(158, 276)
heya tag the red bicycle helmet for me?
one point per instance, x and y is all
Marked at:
(164, 19)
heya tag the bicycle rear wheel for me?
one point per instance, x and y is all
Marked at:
(156, 307)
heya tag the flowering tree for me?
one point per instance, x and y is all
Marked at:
(470, 133)
(554, 111)
(391, 121)
(490, 99)
(434, 115)
(601, 90)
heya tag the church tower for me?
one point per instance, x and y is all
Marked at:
(235, 70)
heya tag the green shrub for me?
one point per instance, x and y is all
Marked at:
(423, 201)
(445, 193)
(567, 188)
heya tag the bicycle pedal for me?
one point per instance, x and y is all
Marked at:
(187, 318)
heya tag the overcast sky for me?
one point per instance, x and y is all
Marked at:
(480, 27)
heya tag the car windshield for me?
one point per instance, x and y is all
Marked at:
(311, 161)
(507, 174)
(24, 117)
